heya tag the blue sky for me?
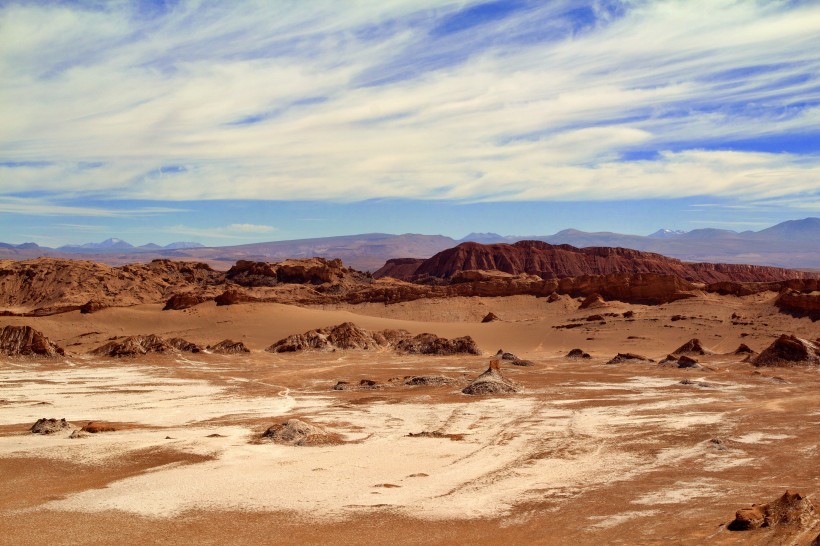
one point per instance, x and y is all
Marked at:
(232, 122)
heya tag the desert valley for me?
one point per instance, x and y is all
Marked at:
(410, 272)
(524, 393)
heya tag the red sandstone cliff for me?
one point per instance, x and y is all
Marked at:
(558, 261)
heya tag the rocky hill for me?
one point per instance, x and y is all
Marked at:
(558, 261)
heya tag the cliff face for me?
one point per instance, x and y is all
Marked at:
(559, 261)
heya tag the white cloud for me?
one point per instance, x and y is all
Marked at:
(131, 107)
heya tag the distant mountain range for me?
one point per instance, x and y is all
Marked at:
(119, 244)
(792, 244)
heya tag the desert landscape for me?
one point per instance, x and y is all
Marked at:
(410, 272)
(307, 402)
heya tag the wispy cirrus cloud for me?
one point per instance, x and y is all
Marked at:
(463, 101)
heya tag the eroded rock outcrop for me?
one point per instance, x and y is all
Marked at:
(228, 347)
(185, 300)
(799, 304)
(788, 350)
(48, 285)
(791, 509)
(491, 382)
(141, 345)
(295, 432)
(621, 358)
(431, 344)
(593, 301)
(348, 336)
(342, 336)
(26, 341)
(692, 347)
(50, 426)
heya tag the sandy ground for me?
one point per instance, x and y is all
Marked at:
(587, 452)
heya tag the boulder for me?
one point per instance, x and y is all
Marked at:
(491, 382)
(490, 317)
(294, 432)
(26, 341)
(50, 426)
(687, 362)
(578, 353)
(789, 350)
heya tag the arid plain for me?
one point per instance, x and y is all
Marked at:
(585, 451)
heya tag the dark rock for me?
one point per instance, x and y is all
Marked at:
(183, 301)
(743, 349)
(92, 306)
(578, 353)
(490, 317)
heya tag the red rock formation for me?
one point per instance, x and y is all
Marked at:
(789, 350)
(558, 261)
(26, 341)
(593, 301)
(692, 347)
(802, 305)
(184, 300)
(398, 268)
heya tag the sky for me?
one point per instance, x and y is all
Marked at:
(245, 121)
